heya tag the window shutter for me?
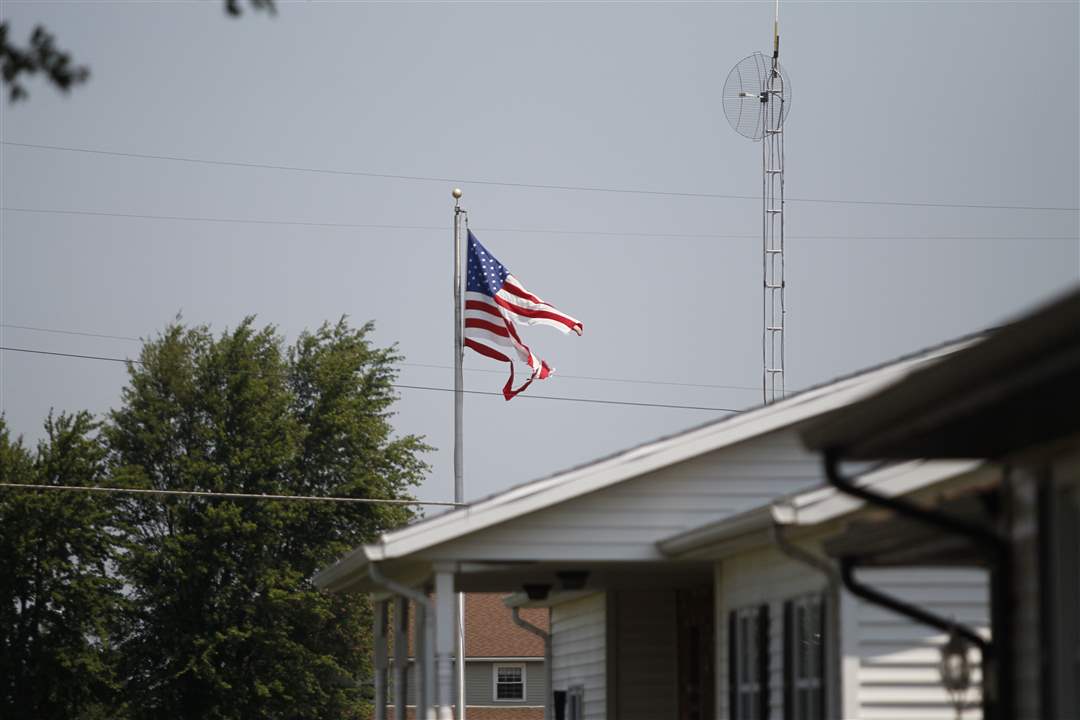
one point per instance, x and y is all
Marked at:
(823, 669)
(732, 666)
(763, 658)
(789, 659)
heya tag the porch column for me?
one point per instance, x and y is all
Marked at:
(420, 661)
(445, 605)
(380, 659)
(429, 667)
(401, 654)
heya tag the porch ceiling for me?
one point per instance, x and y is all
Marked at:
(601, 576)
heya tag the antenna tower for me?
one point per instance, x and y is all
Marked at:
(757, 97)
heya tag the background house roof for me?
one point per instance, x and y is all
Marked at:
(490, 631)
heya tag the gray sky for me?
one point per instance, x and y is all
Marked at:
(966, 103)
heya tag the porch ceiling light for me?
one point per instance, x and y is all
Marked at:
(572, 579)
(536, 591)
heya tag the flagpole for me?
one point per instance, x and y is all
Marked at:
(459, 464)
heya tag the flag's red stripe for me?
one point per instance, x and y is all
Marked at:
(482, 306)
(485, 325)
(522, 293)
(486, 351)
(528, 312)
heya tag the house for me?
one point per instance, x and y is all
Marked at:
(649, 620)
(1014, 401)
(505, 675)
(807, 638)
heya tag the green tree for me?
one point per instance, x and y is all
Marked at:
(225, 622)
(41, 55)
(58, 596)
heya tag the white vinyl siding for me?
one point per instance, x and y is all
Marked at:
(579, 650)
(898, 658)
(646, 654)
(624, 522)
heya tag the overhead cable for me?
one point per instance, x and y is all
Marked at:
(593, 401)
(524, 185)
(244, 496)
(594, 378)
(543, 231)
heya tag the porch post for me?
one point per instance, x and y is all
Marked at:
(380, 659)
(445, 604)
(401, 654)
(420, 661)
(429, 665)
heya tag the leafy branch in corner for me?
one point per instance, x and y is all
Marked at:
(40, 55)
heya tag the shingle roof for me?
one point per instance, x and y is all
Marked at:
(490, 631)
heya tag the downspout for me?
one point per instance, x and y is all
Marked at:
(832, 637)
(996, 655)
(548, 670)
(421, 599)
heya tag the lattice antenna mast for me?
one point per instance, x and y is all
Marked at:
(757, 97)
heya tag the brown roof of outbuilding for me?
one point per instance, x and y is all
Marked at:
(490, 630)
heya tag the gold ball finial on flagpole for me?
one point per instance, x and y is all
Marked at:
(456, 193)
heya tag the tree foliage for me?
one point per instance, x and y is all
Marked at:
(40, 55)
(59, 598)
(218, 617)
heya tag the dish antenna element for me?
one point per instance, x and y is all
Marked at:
(757, 98)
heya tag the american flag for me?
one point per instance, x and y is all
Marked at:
(494, 301)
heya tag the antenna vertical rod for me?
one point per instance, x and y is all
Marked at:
(776, 32)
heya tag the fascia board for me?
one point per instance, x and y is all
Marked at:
(717, 534)
(903, 479)
(330, 577)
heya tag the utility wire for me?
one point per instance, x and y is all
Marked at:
(543, 231)
(531, 186)
(593, 401)
(246, 496)
(129, 338)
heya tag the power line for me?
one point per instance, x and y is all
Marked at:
(71, 332)
(245, 496)
(593, 401)
(543, 231)
(524, 185)
(595, 378)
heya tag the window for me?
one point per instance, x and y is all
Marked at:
(804, 658)
(748, 663)
(509, 682)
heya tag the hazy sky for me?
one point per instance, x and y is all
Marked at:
(969, 103)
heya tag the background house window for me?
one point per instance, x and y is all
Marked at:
(748, 663)
(509, 682)
(804, 658)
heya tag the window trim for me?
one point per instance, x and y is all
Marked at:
(495, 682)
